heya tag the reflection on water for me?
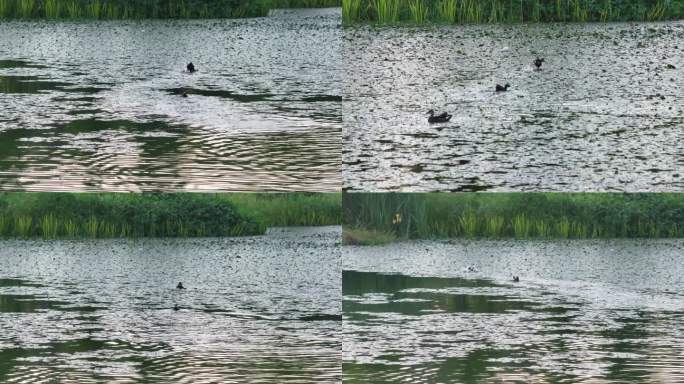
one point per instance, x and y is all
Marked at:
(603, 114)
(105, 105)
(583, 311)
(259, 309)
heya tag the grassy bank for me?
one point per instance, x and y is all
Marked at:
(511, 215)
(508, 11)
(83, 215)
(144, 9)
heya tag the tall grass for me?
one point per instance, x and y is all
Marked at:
(418, 11)
(129, 9)
(515, 215)
(64, 215)
(387, 11)
(447, 11)
(351, 10)
(507, 11)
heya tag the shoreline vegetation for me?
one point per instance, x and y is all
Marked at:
(392, 12)
(375, 219)
(117, 215)
(148, 9)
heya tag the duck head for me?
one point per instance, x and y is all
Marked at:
(431, 112)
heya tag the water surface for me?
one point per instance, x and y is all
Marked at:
(99, 105)
(603, 114)
(261, 309)
(583, 311)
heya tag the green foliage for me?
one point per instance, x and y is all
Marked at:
(22, 226)
(49, 226)
(508, 11)
(128, 9)
(72, 215)
(517, 215)
(351, 10)
(418, 11)
(387, 11)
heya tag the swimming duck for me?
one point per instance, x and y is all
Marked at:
(441, 118)
(191, 68)
(176, 307)
(184, 94)
(502, 89)
(538, 63)
(180, 286)
(516, 279)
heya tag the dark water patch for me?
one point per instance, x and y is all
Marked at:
(93, 125)
(26, 304)
(4, 282)
(243, 98)
(28, 85)
(84, 112)
(12, 64)
(323, 98)
(86, 90)
(321, 317)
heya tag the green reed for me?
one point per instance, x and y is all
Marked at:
(418, 11)
(387, 11)
(4, 223)
(447, 11)
(351, 10)
(134, 9)
(49, 226)
(512, 215)
(469, 224)
(53, 9)
(83, 215)
(70, 229)
(22, 226)
(508, 11)
(26, 8)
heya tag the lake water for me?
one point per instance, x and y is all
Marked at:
(262, 309)
(92, 106)
(583, 311)
(603, 114)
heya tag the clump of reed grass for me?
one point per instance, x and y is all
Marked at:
(418, 11)
(49, 226)
(508, 11)
(22, 226)
(387, 11)
(74, 215)
(351, 10)
(128, 9)
(447, 11)
(511, 215)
